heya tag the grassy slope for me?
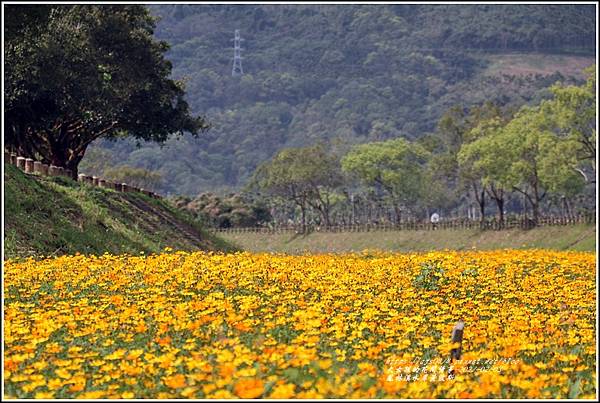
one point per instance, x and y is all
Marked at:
(54, 216)
(581, 237)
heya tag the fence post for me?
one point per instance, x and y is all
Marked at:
(21, 163)
(28, 165)
(457, 337)
(37, 168)
(53, 170)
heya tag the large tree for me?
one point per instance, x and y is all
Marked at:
(396, 166)
(572, 114)
(486, 120)
(458, 127)
(75, 73)
(306, 176)
(526, 156)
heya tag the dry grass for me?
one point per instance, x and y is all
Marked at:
(577, 237)
(530, 64)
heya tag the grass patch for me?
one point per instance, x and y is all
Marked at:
(575, 237)
(47, 216)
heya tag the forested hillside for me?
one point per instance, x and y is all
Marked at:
(342, 75)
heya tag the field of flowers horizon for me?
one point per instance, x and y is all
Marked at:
(244, 325)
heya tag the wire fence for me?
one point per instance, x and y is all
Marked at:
(494, 224)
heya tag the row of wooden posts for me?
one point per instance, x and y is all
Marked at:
(509, 223)
(31, 166)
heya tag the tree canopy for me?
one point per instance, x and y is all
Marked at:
(395, 167)
(348, 74)
(304, 176)
(75, 73)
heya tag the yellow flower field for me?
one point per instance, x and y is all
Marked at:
(204, 325)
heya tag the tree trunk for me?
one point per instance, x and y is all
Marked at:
(500, 204)
(398, 214)
(535, 204)
(498, 196)
(303, 210)
(480, 197)
(482, 205)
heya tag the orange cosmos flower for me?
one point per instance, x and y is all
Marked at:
(249, 388)
(175, 381)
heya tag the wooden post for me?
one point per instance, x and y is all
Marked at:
(81, 178)
(457, 337)
(95, 180)
(61, 171)
(13, 159)
(53, 170)
(102, 183)
(45, 168)
(6, 157)
(37, 168)
(21, 163)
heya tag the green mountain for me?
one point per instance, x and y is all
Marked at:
(54, 216)
(344, 74)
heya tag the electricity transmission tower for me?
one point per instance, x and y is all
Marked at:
(237, 58)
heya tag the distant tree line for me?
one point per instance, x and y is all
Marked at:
(524, 160)
(346, 74)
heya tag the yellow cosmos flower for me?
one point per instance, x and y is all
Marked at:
(314, 326)
(286, 391)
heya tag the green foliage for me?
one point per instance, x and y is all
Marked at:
(139, 177)
(534, 153)
(343, 74)
(533, 161)
(430, 277)
(573, 115)
(397, 167)
(306, 177)
(75, 73)
(54, 216)
(232, 211)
